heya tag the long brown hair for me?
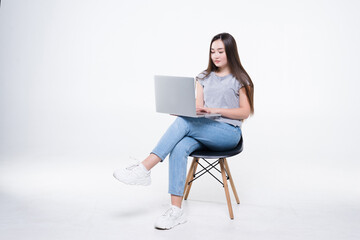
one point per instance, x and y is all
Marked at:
(237, 70)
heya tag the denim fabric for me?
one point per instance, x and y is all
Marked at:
(186, 135)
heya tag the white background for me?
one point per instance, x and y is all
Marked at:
(76, 88)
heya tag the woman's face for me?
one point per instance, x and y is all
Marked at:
(218, 55)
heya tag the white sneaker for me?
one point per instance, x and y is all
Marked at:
(135, 174)
(171, 218)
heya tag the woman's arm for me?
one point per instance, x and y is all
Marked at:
(199, 95)
(240, 113)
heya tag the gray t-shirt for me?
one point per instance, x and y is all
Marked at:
(221, 92)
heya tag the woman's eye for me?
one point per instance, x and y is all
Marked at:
(220, 52)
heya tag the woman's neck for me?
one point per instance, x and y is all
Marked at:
(223, 71)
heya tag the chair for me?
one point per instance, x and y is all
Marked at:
(225, 170)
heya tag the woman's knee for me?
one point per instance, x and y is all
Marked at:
(181, 121)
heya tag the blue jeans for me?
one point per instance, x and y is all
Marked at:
(186, 135)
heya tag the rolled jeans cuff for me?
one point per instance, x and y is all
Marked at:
(159, 155)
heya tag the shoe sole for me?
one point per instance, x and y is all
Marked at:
(168, 228)
(142, 182)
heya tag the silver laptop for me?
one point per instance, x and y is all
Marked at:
(176, 95)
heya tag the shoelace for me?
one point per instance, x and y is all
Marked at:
(132, 167)
(168, 212)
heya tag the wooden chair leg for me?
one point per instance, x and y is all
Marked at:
(231, 181)
(190, 177)
(226, 188)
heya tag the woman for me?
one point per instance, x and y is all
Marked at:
(224, 88)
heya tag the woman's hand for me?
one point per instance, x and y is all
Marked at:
(206, 110)
(201, 110)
